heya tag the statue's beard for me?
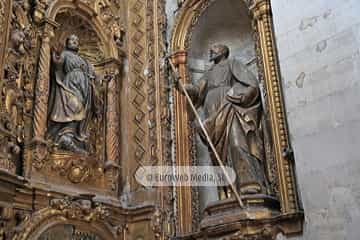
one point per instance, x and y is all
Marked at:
(72, 48)
(214, 57)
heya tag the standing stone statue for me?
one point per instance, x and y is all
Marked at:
(230, 97)
(71, 98)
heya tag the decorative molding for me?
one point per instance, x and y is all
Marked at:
(79, 212)
(138, 73)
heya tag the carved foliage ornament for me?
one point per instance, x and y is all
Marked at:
(82, 210)
(17, 50)
(68, 211)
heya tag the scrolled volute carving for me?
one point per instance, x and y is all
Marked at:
(80, 209)
(107, 13)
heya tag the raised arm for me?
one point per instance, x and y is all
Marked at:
(57, 58)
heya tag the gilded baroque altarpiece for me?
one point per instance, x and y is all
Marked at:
(44, 185)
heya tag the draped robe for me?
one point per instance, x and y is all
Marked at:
(70, 98)
(233, 121)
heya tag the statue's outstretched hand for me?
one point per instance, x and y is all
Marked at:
(57, 49)
(192, 90)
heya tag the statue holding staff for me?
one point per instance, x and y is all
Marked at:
(230, 96)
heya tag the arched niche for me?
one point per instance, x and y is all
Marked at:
(227, 22)
(99, 170)
(48, 223)
(246, 26)
(90, 15)
(91, 46)
(68, 232)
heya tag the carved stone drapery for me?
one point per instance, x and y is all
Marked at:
(260, 11)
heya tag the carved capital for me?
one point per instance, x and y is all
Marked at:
(39, 11)
(179, 57)
(260, 8)
(48, 27)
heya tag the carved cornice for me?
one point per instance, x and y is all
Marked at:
(179, 57)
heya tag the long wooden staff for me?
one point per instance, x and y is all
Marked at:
(213, 149)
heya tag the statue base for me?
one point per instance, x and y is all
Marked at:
(256, 206)
(260, 218)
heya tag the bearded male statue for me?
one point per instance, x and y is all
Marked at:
(230, 96)
(71, 98)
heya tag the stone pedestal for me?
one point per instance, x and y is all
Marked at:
(259, 219)
(228, 211)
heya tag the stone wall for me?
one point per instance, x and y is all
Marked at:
(319, 51)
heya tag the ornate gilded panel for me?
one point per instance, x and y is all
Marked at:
(120, 57)
(60, 152)
(18, 61)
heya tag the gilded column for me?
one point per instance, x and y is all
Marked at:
(182, 135)
(43, 82)
(112, 125)
(38, 147)
(261, 12)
